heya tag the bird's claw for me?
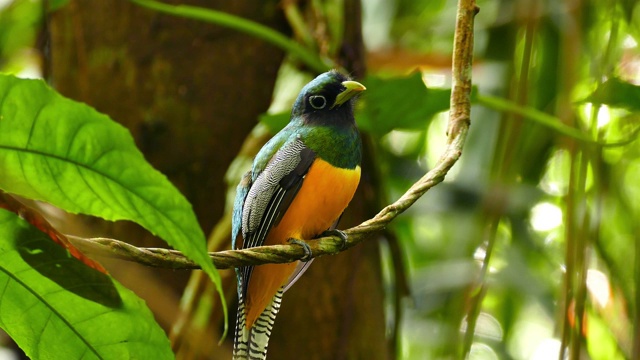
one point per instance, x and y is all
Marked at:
(338, 233)
(307, 249)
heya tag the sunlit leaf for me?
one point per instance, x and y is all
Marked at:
(65, 153)
(601, 343)
(55, 307)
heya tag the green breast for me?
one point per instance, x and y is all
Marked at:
(339, 146)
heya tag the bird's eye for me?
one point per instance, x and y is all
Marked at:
(317, 102)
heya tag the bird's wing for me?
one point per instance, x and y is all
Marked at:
(236, 220)
(271, 193)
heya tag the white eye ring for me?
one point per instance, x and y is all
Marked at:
(317, 102)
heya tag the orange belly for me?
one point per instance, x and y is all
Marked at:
(325, 193)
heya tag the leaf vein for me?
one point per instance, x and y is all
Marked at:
(100, 173)
(52, 310)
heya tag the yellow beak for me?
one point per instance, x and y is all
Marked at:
(352, 89)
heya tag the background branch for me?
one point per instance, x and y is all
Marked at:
(458, 126)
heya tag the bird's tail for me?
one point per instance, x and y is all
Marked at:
(251, 343)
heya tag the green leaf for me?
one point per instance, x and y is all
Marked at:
(617, 93)
(55, 307)
(399, 103)
(65, 153)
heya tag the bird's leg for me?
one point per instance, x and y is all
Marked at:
(305, 246)
(338, 233)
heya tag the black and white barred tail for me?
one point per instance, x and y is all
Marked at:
(251, 344)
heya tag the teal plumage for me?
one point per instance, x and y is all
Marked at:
(300, 183)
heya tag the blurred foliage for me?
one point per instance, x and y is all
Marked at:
(531, 229)
(20, 22)
(530, 248)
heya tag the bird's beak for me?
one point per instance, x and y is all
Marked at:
(352, 89)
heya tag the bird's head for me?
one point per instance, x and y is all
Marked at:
(327, 99)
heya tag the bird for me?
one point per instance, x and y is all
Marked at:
(299, 185)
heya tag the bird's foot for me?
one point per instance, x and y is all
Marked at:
(307, 249)
(339, 233)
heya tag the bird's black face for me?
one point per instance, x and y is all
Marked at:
(327, 99)
(324, 98)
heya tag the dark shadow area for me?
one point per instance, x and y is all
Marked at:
(55, 263)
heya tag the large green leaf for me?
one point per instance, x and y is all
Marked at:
(65, 153)
(400, 103)
(55, 307)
